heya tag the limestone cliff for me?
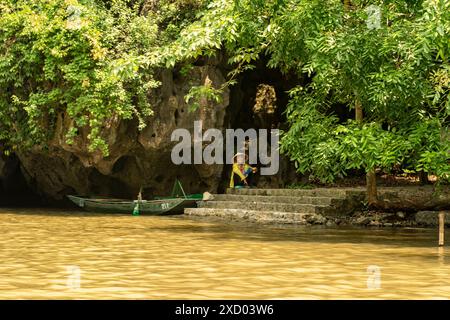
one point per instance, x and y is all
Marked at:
(137, 158)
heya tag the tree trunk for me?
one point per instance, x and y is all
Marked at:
(347, 4)
(358, 111)
(371, 177)
(423, 177)
(371, 185)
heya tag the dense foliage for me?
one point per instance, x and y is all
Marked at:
(95, 60)
(90, 59)
(396, 68)
(399, 74)
(77, 58)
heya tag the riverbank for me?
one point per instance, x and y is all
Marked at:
(359, 218)
(397, 219)
(406, 206)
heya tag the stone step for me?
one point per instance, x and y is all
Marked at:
(318, 192)
(301, 218)
(264, 206)
(277, 199)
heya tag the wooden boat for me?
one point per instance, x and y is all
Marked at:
(173, 204)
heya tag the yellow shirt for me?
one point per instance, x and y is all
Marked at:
(237, 171)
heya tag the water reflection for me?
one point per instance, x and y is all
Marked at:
(52, 254)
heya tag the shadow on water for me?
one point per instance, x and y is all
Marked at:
(219, 229)
(412, 237)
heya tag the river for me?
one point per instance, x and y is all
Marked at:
(51, 254)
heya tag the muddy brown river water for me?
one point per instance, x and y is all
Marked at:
(51, 254)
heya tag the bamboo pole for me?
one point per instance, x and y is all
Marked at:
(441, 227)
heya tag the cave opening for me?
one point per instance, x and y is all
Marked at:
(243, 112)
(110, 186)
(14, 188)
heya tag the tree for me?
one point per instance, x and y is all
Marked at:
(85, 61)
(389, 71)
(396, 73)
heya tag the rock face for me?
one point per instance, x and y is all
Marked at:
(430, 218)
(143, 158)
(137, 158)
(415, 198)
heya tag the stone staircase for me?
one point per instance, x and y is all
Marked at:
(299, 206)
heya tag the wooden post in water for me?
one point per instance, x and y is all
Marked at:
(441, 227)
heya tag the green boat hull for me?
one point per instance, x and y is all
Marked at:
(162, 206)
